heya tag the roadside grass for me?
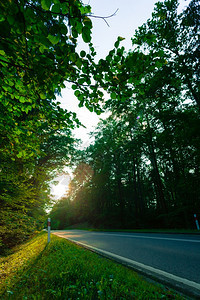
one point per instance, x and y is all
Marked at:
(19, 259)
(63, 270)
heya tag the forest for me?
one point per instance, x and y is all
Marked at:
(142, 168)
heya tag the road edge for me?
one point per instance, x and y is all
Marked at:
(182, 285)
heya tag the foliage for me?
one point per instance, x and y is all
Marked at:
(63, 269)
(145, 156)
(173, 39)
(38, 54)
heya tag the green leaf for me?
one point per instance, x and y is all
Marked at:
(98, 112)
(87, 22)
(158, 64)
(85, 9)
(20, 154)
(27, 109)
(113, 95)
(86, 34)
(79, 27)
(42, 96)
(108, 58)
(42, 48)
(56, 8)
(46, 4)
(11, 83)
(53, 39)
(11, 20)
(2, 18)
(81, 97)
(82, 53)
(78, 63)
(22, 99)
(74, 32)
(77, 93)
(80, 104)
(73, 57)
(90, 108)
(116, 44)
(120, 38)
(74, 87)
(2, 52)
(65, 8)
(81, 81)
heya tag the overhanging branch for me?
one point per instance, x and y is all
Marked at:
(104, 18)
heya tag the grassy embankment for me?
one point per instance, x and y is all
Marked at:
(62, 270)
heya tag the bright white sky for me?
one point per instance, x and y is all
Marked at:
(130, 15)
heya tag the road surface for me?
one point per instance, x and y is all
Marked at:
(174, 257)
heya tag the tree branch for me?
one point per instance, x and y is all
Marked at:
(104, 18)
(67, 15)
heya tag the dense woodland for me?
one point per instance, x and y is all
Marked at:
(38, 41)
(142, 170)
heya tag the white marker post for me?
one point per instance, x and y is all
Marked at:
(49, 229)
(196, 221)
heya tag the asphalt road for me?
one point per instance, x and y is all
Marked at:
(175, 254)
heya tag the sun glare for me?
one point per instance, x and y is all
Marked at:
(60, 189)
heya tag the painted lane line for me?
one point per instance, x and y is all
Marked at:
(131, 262)
(149, 237)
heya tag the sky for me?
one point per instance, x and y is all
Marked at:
(130, 15)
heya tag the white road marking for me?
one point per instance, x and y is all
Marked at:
(148, 237)
(131, 262)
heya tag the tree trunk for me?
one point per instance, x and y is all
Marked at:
(161, 203)
(120, 196)
(139, 204)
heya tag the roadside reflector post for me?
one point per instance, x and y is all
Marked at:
(196, 221)
(49, 229)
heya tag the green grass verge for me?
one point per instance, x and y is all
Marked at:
(63, 270)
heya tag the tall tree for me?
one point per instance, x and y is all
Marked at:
(38, 54)
(174, 38)
(145, 155)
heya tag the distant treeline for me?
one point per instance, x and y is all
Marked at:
(143, 168)
(148, 178)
